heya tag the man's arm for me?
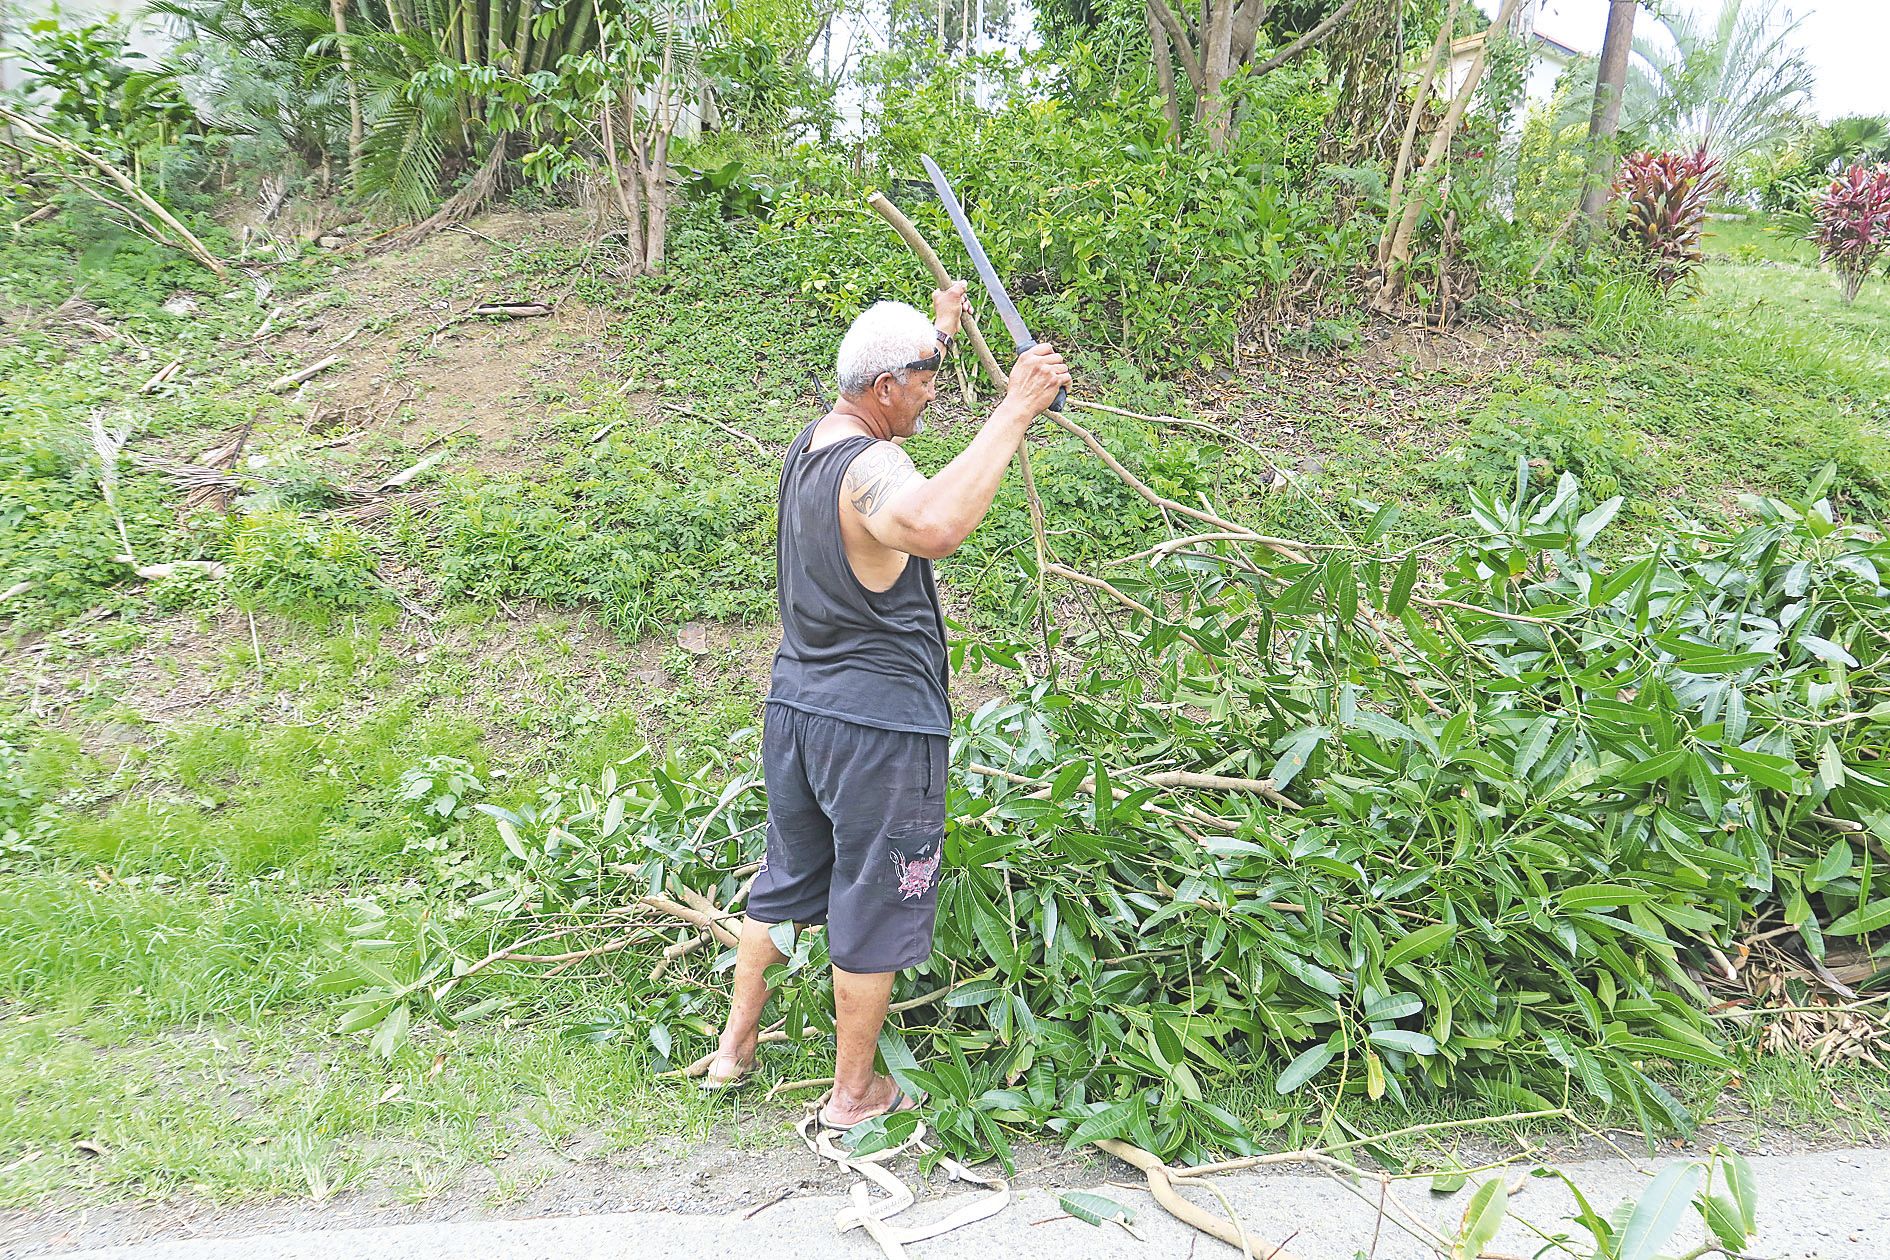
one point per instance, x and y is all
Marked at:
(932, 517)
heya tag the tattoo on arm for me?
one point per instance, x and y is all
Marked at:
(875, 476)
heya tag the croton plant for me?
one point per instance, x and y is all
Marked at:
(1853, 224)
(1660, 208)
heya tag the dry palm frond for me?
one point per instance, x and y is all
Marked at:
(110, 449)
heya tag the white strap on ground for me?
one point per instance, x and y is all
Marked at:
(874, 1216)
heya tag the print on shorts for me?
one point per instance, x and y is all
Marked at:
(916, 874)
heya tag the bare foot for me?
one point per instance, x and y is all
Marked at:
(882, 1097)
(732, 1061)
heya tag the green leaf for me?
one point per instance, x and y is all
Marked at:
(1401, 586)
(1482, 1217)
(1835, 864)
(1662, 1206)
(1867, 918)
(392, 1033)
(1739, 1181)
(1112, 1121)
(1590, 896)
(1450, 1178)
(1306, 1066)
(1399, 1039)
(1094, 1209)
(1595, 520)
(1299, 749)
(1426, 940)
(1722, 1218)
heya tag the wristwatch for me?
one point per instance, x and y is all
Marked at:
(944, 338)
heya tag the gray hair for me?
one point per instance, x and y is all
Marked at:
(883, 338)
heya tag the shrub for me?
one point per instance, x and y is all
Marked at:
(282, 561)
(1661, 204)
(1105, 233)
(1853, 224)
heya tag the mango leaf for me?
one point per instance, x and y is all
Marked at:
(1482, 1217)
(1426, 940)
(1867, 918)
(1094, 1209)
(1307, 1065)
(1659, 1211)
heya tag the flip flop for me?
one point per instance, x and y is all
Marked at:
(900, 1102)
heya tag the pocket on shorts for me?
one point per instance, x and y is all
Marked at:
(914, 856)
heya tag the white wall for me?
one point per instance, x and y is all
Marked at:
(147, 36)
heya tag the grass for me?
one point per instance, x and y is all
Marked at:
(194, 813)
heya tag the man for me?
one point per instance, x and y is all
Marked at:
(858, 717)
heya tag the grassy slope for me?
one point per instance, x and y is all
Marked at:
(177, 920)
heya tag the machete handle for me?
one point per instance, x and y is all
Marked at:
(1056, 406)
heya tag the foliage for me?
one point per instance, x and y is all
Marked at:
(644, 527)
(1789, 177)
(1550, 162)
(1105, 234)
(1660, 207)
(282, 561)
(1720, 1189)
(1506, 845)
(1853, 225)
(94, 87)
(1729, 83)
(1726, 84)
(264, 78)
(764, 91)
(736, 192)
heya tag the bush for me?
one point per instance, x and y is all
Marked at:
(1661, 201)
(1104, 233)
(646, 526)
(287, 563)
(1853, 225)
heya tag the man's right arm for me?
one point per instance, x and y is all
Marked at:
(932, 517)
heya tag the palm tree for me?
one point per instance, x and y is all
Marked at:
(1728, 84)
(1859, 138)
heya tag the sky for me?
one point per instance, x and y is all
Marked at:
(1846, 41)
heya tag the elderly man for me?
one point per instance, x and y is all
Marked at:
(858, 716)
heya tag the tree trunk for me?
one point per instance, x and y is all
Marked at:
(1399, 253)
(1420, 97)
(1164, 72)
(1605, 120)
(357, 131)
(1217, 41)
(624, 186)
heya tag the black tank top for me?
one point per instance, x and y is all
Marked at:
(872, 657)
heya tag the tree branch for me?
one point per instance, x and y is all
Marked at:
(1305, 41)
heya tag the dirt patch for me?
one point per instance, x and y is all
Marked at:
(1402, 388)
(415, 362)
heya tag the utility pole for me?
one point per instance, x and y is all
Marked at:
(1605, 121)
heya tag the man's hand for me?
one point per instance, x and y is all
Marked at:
(948, 307)
(1035, 379)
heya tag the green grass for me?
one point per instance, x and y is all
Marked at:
(175, 910)
(1753, 238)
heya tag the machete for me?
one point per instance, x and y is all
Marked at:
(1006, 309)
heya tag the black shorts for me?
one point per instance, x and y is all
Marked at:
(856, 836)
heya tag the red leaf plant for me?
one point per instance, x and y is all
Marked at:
(1660, 203)
(1853, 224)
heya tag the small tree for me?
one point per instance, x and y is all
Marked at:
(1853, 224)
(1214, 42)
(1660, 201)
(602, 117)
